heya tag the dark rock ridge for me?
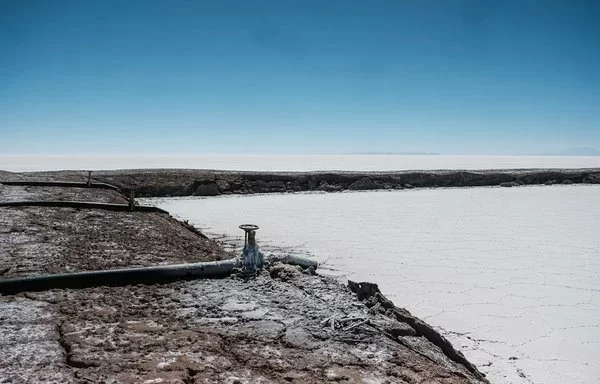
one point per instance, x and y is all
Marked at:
(370, 294)
(188, 182)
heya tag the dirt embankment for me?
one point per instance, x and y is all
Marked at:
(286, 325)
(186, 182)
(44, 240)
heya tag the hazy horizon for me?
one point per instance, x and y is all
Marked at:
(293, 163)
(566, 152)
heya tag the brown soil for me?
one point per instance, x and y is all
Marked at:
(216, 331)
(20, 193)
(42, 240)
(286, 325)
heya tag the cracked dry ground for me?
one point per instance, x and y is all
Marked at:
(275, 328)
(269, 329)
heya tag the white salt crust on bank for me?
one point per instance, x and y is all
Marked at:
(509, 275)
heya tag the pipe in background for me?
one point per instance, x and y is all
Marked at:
(83, 204)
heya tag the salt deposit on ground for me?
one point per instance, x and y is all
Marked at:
(511, 275)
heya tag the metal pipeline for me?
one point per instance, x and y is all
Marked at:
(119, 277)
(131, 276)
(250, 261)
(83, 204)
(73, 184)
(294, 260)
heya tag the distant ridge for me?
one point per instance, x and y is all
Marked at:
(575, 151)
(394, 153)
(580, 151)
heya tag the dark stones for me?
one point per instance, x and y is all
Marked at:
(264, 186)
(276, 186)
(223, 185)
(325, 186)
(81, 361)
(391, 326)
(260, 186)
(363, 290)
(364, 184)
(284, 272)
(210, 183)
(208, 189)
(380, 304)
(592, 179)
(311, 184)
(509, 184)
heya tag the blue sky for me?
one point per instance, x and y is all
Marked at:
(448, 76)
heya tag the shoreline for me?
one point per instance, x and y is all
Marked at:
(198, 182)
(191, 331)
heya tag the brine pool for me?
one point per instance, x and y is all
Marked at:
(511, 276)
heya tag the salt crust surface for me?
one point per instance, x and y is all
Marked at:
(510, 275)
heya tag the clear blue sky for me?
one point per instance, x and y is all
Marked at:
(457, 77)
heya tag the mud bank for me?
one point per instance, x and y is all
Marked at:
(185, 182)
(286, 325)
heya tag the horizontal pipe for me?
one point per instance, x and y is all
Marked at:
(72, 184)
(82, 204)
(294, 260)
(129, 276)
(119, 277)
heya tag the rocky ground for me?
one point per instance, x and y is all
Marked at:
(286, 325)
(187, 182)
(42, 240)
